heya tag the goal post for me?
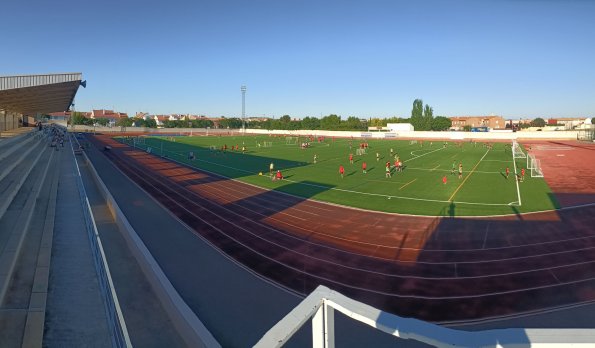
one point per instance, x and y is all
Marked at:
(530, 161)
(291, 140)
(517, 150)
(536, 169)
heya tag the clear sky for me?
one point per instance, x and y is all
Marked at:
(524, 58)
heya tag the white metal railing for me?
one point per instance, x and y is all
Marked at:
(117, 325)
(322, 303)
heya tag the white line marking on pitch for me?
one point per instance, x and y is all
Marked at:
(427, 153)
(407, 184)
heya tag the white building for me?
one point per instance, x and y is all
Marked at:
(399, 127)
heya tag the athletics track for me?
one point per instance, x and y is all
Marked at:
(436, 269)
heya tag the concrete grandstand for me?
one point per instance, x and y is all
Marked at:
(105, 245)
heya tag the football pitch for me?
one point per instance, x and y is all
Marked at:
(483, 189)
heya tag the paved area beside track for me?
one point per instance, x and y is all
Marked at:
(237, 306)
(75, 315)
(147, 322)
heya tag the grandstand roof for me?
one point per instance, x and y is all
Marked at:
(30, 94)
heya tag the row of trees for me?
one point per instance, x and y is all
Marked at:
(422, 118)
(330, 122)
(200, 123)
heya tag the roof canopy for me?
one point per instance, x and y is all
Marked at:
(30, 94)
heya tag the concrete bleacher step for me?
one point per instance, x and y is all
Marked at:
(9, 138)
(12, 182)
(13, 238)
(23, 266)
(11, 148)
(27, 288)
(11, 158)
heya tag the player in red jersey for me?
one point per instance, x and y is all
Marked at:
(279, 176)
(341, 171)
(522, 174)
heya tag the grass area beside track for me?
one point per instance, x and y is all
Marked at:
(418, 189)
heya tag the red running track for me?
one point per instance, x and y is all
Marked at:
(430, 268)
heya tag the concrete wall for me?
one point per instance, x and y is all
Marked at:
(495, 135)
(9, 120)
(429, 135)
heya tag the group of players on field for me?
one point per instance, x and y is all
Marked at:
(398, 165)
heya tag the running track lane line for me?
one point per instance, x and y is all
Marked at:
(467, 177)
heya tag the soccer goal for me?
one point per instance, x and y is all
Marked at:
(291, 140)
(267, 144)
(534, 165)
(536, 169)
(517, 150)
(360, 152)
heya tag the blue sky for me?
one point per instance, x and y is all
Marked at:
(523, 58)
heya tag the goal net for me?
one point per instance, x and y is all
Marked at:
(267, 144)
(517, 150)
(291, 140)
(530, 161)
(536, 169)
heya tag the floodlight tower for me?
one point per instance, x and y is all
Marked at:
(243, 89)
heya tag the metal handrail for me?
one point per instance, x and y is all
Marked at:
(116, 322)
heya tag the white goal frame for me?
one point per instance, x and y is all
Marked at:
(291, 140)
(536, 170)
(517, 150)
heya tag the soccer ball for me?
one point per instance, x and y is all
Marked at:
(260, 174)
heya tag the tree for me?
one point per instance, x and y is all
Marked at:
(353, 123)
(201, 123)
(124, 122)
(417, 114)
(538, 122)
(285, 118)
(77, 118)
(593, 120)
(232, 123)
(427, 118)
(310, 123)
(377, 122)
(441, 123)
(330, 122)
(102, 121)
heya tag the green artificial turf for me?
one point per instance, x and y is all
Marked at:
(419, 190)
